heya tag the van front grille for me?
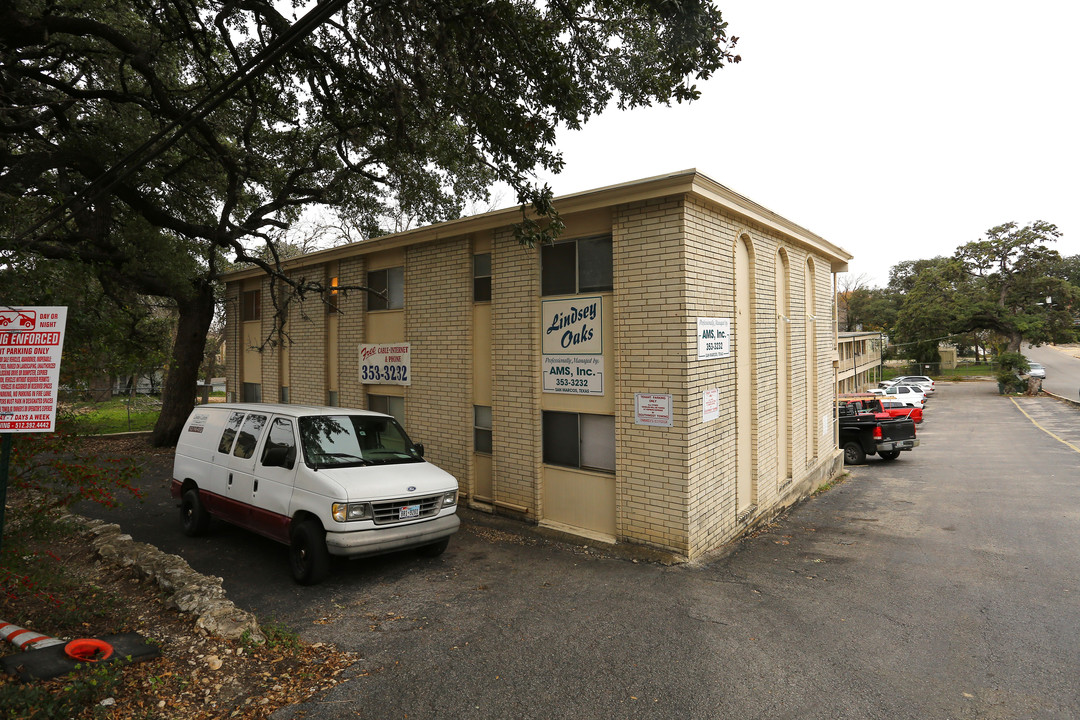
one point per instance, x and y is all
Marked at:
(389, 512)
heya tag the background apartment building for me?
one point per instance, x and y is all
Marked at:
(664, 374)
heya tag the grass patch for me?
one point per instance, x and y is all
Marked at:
(826, 487)
(117, 415)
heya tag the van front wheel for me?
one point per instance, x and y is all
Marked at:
(308, 555)
(193, 515)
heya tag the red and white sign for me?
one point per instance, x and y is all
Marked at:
(653, 410)
(31, 342)
(710, 404)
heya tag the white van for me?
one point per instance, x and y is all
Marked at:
(323, 480)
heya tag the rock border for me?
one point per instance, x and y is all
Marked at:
(187, 590)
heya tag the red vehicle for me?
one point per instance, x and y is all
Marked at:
(868, 402)
(895, 408)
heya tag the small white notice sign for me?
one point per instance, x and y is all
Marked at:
(710, 404)
(653, 410)
(713, 338)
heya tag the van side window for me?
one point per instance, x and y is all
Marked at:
(280, 448)
(235, 420)
(249, 436)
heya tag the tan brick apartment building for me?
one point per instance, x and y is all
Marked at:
(663, 375)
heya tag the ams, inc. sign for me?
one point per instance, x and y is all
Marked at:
(573, 346)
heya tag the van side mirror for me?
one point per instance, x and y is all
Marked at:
(419, 448)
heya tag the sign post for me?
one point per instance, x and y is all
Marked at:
(31, 342)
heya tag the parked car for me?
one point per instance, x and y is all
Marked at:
(922, 381)
(882, 408)
(324, 481)
(908, 394)
(1037, 370)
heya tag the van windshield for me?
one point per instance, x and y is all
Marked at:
(350, 440)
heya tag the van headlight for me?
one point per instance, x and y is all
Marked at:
(348, 512)
(449, 499)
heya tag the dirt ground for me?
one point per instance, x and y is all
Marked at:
(195, 677)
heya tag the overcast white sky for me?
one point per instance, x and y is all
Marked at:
(897, 131)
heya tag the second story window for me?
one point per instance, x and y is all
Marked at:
(332, 296)
(250, 305)
(390, 281)
(576, 266)
(481, 277)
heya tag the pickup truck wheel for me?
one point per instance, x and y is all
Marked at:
(435, 549)
(854, 454)
(308, 556)
(193, 515)
(890, 455)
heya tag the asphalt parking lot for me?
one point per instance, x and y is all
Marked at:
(941, 585)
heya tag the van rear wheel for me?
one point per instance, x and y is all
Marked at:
(308, 556)
(193, 515)
(889, 455)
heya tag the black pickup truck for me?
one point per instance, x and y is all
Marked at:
(862, 434)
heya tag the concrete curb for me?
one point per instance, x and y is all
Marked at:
(187, 590)
(1062, 397)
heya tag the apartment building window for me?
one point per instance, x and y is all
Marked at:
(482, 429)
(283, 395)
(576, 266)
(332, 398)
(481, 277)
(579, 440)
(332, 296)
(390, 282)
(251, 392)
(250, 305)
(388, 404)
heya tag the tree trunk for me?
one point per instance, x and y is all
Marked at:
(178, 394)
(1015, 339)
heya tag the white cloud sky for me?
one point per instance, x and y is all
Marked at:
(897, 131)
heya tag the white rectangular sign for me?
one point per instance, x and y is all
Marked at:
(573, 345)
(385, 364)
(710, 405)
(574, 375)
(713, 338)
(653, 410)
(31, 343)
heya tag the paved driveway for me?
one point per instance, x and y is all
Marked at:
(942, 585)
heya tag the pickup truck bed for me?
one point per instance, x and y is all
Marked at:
(862, 434)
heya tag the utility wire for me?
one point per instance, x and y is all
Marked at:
(171, 133)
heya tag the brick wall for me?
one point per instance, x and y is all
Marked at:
(652, 342)
(515, 392)
(351, 272)
(307, 353)
(438, 315)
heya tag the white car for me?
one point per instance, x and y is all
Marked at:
(1036, 370)
(907, 394)
(925, 383)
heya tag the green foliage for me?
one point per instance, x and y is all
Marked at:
(126, 414)
(76, 694)
(412, 107)
(280, 636)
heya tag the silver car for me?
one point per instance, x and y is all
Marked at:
(1037, 370)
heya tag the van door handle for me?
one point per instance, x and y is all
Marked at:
(230, 478)
(256, 488)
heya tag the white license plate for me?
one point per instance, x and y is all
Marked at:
(409, 511)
